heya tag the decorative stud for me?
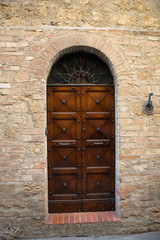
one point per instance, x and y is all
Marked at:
(64, 129)
(98, 156)
(64, 157)
(65, 184)
(63, 101)
(97, 129)
(97, 101)
(98, 184)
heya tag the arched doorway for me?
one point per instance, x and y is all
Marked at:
(81, 134)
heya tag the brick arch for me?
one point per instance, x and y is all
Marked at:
(68, 43)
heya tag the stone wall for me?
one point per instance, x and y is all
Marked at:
(135, 14)
(27, 54)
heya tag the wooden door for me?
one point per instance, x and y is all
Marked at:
(81, 142)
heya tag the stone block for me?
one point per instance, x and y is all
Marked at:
(21, 107)
(12, 132)
(37, 106)
(36, 149)
(33, 188)
(5, 85)
(153, 213)
(39, 120)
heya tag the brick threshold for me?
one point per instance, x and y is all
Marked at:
(82, 217)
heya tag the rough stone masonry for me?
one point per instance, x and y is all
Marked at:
(32, 34)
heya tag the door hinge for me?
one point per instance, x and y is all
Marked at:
(46, 131)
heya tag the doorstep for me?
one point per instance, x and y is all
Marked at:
(82, 217)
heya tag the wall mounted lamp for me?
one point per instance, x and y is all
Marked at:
(149, 106)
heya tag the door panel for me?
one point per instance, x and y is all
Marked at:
(99, 156)
(97, 183)
(81, 152)
(63, 101)
(64, 157)
(65, 206)
(64, 129)
(98, 205)
(98, 129)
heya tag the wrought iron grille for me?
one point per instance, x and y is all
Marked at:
(80, 68)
